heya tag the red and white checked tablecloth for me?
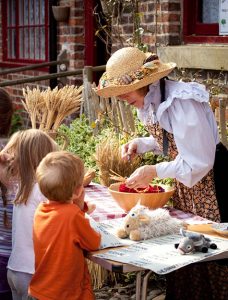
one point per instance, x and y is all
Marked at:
(107, 208)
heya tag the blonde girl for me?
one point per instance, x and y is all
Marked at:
(28, 148)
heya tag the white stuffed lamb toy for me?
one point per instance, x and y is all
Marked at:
(141, 224)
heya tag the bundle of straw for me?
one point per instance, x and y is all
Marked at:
(99, 276)
(47, 109)
(108, 159)
(33, 103)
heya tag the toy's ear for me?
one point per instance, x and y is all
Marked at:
(213, 246)
(182, 232)
(144, 219)
(138, 204)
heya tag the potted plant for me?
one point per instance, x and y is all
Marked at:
(61, 13)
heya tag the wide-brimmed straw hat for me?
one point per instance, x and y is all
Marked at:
(140, 68)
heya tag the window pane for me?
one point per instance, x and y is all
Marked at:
(210, 11)
(11, 18)
(26, 10)
(31, 12)
(37, 46)
(9, 42)
(21, 44)
(13, 43)
(37, 11)
(21, 14)
(26, 43)
(26, 29)
(42, 49)
(42, 12)
(32, 41)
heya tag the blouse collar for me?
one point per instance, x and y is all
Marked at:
(152, 98)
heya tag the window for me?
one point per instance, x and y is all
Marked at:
(25, 31)
(201, 21)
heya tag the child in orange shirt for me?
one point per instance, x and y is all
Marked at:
(61, 232)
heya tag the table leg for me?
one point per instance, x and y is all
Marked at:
(144, 285)
(138, 285)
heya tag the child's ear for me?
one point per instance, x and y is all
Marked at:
(78, 191)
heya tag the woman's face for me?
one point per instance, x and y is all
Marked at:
(135, 98)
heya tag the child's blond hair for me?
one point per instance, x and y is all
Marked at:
(59, 174)
(28, 147)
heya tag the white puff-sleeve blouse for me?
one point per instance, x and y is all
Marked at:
(186, 114)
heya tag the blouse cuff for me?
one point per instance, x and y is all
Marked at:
(146, 144)
(166, 170)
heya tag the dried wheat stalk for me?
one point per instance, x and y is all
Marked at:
(108, 157)
(49, 108)
(116, 177)
(70, 102)
(33, 100)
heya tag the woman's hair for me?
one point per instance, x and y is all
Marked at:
(58, 174)
(6, 112)
(29, 147)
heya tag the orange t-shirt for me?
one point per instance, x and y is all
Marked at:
(61, 234)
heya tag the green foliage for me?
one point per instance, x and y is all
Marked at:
(82, 141)
(17, 121)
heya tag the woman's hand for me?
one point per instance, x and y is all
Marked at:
(129, 150)
(141, 177)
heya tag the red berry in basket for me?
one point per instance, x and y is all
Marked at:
(149, 189)
(125, 189)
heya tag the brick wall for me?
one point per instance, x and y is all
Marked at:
(160, 19)
(70, 36)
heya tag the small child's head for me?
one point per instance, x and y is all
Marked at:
(28, 148)
(59, 175)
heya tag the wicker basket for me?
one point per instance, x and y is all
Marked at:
(128, 200)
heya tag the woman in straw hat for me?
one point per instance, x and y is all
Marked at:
(182, 126)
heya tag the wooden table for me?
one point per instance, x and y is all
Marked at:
(108, 209)
(142, 276)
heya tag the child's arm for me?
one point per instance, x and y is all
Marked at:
(86, 236)
(78, 199)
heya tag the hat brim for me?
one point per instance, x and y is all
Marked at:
(116, 90)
